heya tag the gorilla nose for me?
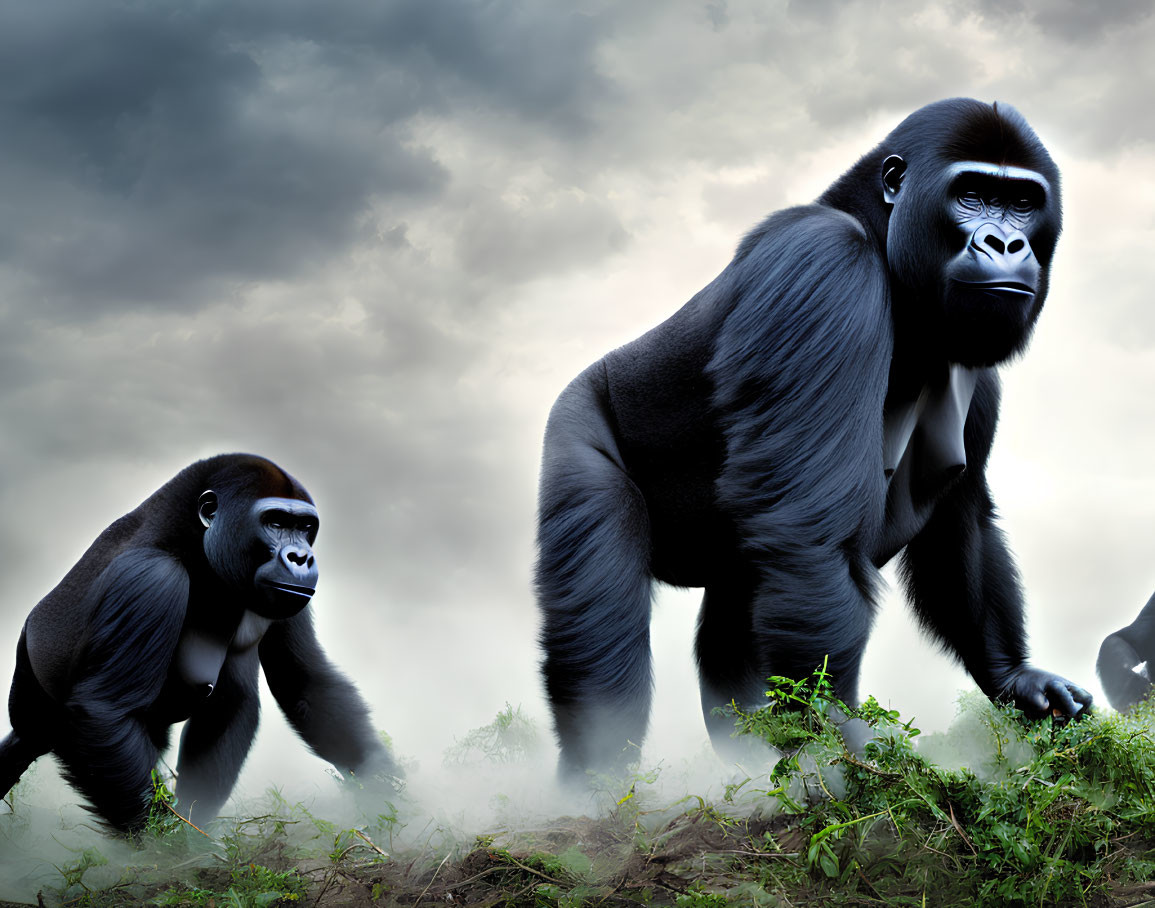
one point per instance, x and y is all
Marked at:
(300, 562)
(992, 241)
(299, 558)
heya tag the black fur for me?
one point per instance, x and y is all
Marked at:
(739, 447)
(1125, 678)
(154, 626)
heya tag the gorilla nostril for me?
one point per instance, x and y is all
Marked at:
(995, 243)
(297, 557)
(1015, 246)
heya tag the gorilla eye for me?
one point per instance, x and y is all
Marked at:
(971, 201)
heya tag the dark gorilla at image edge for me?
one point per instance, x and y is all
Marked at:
(170, 615)
(827, 402)
(1127, 659)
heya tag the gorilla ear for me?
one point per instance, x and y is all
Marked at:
(893, 170)
(207, 507)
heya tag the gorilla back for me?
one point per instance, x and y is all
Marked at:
(828, 401)
(168, 616)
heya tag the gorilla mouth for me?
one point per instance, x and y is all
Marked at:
(1014, 288)
(304, 591)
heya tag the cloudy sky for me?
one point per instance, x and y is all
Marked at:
(373, 240)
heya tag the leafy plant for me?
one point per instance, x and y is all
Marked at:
(252, 886)
(1045, 813)
(73, 874)
(163, 819)
(696, 898)
(510, 738)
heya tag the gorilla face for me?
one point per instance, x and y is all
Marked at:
(992, 289)
(265, 547)
(983, 236)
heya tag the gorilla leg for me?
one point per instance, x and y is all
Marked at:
(814, 607)
(217, 738)
(727, 663)
(16, 755)
(594, 587)
(109, 757)
(746, 635)
(33, 714)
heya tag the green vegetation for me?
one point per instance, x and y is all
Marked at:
(1043, 814)
(509, 738)
(251, 886)
(998, 811)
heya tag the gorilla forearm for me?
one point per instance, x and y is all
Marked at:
(322, 705)
(329, 714)
(966, 590)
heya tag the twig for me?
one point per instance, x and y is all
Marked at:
(370, 843)
(518, 863)
(759, 854)
(473, 879)
(874, 770)
(955, 824)
(421, 854)
(325, 888)
(432, 878)
(513, 898)
(870, 885)
(176, 814)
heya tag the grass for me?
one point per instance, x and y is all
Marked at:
(999, 811)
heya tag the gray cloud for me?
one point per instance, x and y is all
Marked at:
(1067, 19)
(171, 152)
(514, 242)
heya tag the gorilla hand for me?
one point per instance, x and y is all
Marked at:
(1038, 693)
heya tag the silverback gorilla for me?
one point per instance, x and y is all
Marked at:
(827, 402)
(1127, 660)
(168, 616)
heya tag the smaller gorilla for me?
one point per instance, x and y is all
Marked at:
(1125, 660)
(170, 615)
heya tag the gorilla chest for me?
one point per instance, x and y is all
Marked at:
(200, 655)
(923, 454)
